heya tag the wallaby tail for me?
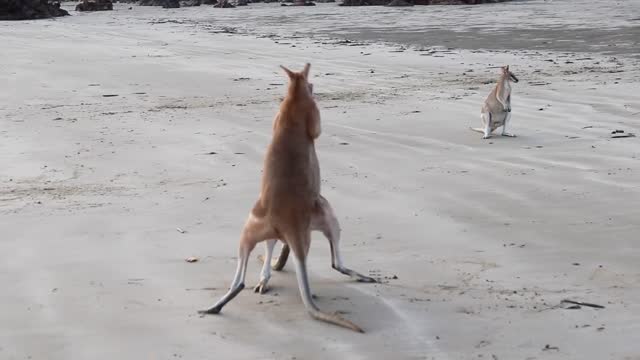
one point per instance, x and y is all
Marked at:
(278, 264)
(477, 129)
(282, 259)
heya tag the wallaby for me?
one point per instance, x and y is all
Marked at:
(496, 110)
(290, 205)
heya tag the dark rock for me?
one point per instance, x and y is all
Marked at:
(29, 9)
(164, 3)
(171, 4)
(223, 4)
(459, 2)
(399, 3)
(416, 2)
(95, 5)
(300, 3)
(364, 2)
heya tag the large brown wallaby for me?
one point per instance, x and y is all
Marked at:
(290, 205)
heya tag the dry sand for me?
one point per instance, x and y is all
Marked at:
(476, 242)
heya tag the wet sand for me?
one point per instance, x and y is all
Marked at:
(611, 28)
(119, 127)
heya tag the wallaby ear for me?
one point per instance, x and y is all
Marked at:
(305, 71)
(289, 72)
(506, 67)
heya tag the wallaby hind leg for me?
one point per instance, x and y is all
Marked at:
(486, 121)
(299, 260)
(255, 230)
(265, 274)
(504, 127)
(279, 263)
(325, 220)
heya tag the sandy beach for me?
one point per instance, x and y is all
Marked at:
(131, 140)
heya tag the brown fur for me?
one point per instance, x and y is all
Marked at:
(290, 204)
(291, 179)
(496, 110)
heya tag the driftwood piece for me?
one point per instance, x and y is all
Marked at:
(582, 304)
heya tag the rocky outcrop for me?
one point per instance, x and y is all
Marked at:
(300, 3)
(29, 9)
(416, 2)
(456, 2)
(399, 3)
(163, 3)
(223, 4)
(171, 4)
(95, 5)
(189, 3)
(364, 2)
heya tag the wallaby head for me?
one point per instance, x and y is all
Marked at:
(299, 106)
(508, 74)
(299, 85)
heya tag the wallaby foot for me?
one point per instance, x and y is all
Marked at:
(255, 230)
(265, 274)
(307, 298)
(335, 320)
(262, 287)
(325, 220)
(355, 275)
(228, 297)
(507, 119)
